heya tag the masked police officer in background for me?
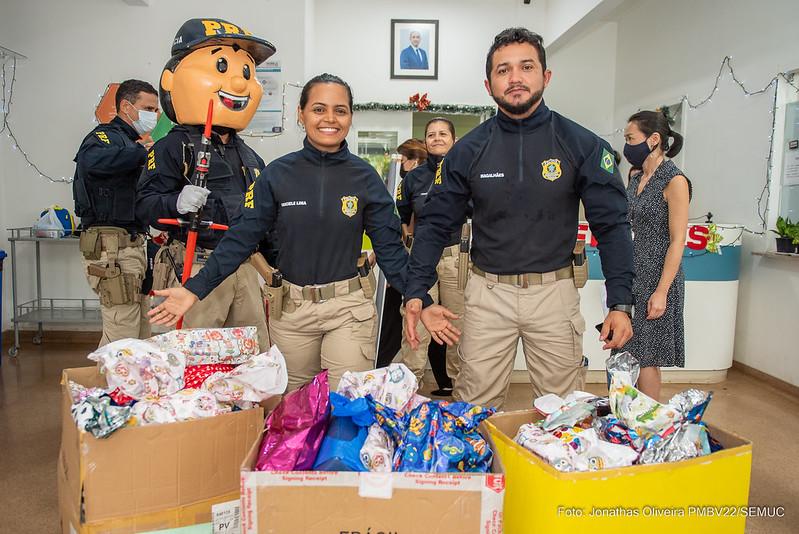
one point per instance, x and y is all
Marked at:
(526, 170)
(215, 60)
(109, 162)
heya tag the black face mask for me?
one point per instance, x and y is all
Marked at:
(403, 172)
(637, 154)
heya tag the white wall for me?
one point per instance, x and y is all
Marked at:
(667, 49)
(75, 49)
(584, 79)
(361, 54)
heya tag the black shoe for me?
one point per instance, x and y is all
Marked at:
(442, 392)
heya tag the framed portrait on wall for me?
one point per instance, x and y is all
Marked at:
(414, 49)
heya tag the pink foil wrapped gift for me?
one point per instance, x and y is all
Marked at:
(295, 428)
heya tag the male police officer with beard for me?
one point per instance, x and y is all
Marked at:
(526, 170)
(214, 60)
(109, 162)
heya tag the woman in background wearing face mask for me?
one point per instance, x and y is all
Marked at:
(439, 138)
(658, 196)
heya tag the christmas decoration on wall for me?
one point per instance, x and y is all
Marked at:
(421, 102)
(726, 64)
(488, 111)
(8, 75)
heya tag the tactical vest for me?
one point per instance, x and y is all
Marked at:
(105, 200)
(224, 202)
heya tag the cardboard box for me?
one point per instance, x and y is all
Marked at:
(151, 477)
(317, 502)
(707, 494)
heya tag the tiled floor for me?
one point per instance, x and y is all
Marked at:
(30, 435)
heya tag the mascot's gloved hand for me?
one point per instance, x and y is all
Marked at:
(192, 198)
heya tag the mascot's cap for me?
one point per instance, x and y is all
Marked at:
(199, 33)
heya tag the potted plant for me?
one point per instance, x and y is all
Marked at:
(793, 233)
(784, 237)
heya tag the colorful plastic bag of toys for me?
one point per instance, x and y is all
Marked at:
(438, 437)
(294, 430)
(688, 441)
(574, 449)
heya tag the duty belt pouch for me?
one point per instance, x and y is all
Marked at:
(161, 275)
(90, 245)
(112, 287)
(580, 265)
(274, 294)
(366, 276)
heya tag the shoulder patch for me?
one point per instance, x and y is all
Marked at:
(102, 136)
(249, 197)
(608, 161)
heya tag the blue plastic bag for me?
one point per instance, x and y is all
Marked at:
(349, 425)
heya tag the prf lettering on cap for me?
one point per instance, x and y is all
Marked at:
(212, 27)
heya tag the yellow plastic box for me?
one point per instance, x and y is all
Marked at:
(707, 495)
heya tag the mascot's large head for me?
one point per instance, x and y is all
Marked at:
(213, 59)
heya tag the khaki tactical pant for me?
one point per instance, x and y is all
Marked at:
(338, 334)
(446, 293)
(547, 319)
(127, 320)
(237, 301)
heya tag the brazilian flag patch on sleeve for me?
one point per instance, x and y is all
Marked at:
(607, 162)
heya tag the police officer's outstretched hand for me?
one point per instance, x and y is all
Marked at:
(435, 318)
(177, 303)
(619, 324)
(192, 198)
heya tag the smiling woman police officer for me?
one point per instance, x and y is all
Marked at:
(320, 200)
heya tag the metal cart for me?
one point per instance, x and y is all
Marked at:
(45, 310)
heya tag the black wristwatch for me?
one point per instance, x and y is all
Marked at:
(626, 308)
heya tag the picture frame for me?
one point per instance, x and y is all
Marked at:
(414, 49)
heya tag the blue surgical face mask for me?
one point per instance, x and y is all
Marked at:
(637, 154)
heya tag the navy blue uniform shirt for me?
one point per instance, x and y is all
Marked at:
(526, 179)
(319, 204)
(109, 162)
